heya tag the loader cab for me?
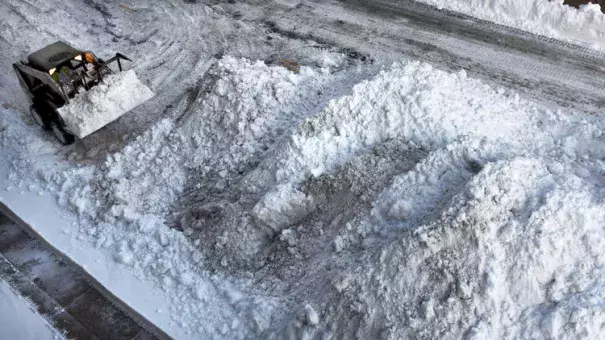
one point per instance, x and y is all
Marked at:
(54, 56)
(46, 94)
(64, 64)
(37, 75)
(80, 71)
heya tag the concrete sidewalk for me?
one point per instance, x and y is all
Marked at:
(60, 293)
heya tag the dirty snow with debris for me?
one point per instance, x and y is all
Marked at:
(127, 200)
(584, 26)
(91, 110)
(496, 225)
(19, 320)
(417, 203)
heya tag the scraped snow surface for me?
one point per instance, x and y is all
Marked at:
(19, 320)
(585, 26)
(114, 96)
(417, 203)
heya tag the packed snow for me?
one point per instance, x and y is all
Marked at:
(91, 110)
(336, 199)
(418, 203)
(551, 18)
(20, 321)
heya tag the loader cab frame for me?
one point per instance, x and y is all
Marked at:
(46, 94)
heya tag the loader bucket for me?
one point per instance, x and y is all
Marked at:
(114, 96)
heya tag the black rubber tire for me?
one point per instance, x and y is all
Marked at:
(42, 121)
(61, 135)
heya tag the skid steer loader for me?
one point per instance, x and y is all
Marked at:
(57, 74)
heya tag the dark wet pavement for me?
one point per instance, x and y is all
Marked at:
(59, 292)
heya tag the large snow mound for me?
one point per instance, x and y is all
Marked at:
(514, 253)
(248, 107)
(127, 200)
(114, 96)
(415, 204)
(478, 237)
(585, 26)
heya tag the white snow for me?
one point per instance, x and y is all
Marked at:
(311, 315)
(415, 204)
(585, 26)
(123, 203)
(495, 163)
(20, 321)
(91, 110)
(417, 195)
(505, 210)
(249, 106)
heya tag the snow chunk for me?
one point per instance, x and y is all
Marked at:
(311, 315)
(104, 103)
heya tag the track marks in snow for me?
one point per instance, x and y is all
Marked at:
(480, 163)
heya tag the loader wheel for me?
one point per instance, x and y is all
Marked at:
(62, 136)
(33, 110)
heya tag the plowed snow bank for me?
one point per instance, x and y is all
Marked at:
(585, 26)
(420, 204)
(127, 200)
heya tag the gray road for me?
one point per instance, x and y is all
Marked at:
(549, 71)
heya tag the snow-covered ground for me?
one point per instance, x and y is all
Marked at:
(19, 320)
(350, 199)
(584, 26)
(422, 195)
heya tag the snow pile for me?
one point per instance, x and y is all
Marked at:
(495, 233)
(125, 203)
(122, 207)
(421, 204)
(19, 320)
(248, 107)
(585, 26)
(411, 102)
(514, 254)
(491, 229)
(104, 103)
(143, 178)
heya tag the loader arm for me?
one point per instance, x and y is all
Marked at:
(118, 57)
